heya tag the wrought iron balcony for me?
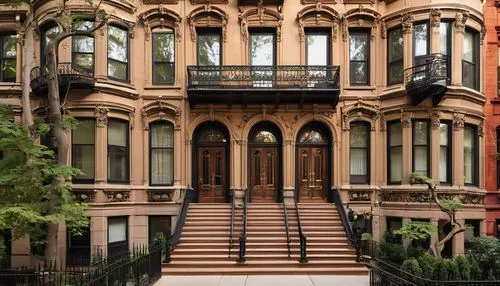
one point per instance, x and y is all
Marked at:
(263, 84)
(429, 78)
(69, 77)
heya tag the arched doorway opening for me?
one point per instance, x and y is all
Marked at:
(313, 157)
(264, 163)
(211, 162)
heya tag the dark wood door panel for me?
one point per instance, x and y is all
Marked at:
(212, 174)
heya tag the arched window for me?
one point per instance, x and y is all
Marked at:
(360, 152)
(161, 153)
(211, 136)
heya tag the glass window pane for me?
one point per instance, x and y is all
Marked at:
(84, 132)
(9, 46)
(359, 161)
(209, 49)
(265, 137)
(443, 164)
(117, 69)
(359, 72)
(83, 44)
(468, 74)
(358, 46)
(396, 72)
(469, 155)
(420, 39)
(317, 49)
(395, 40)
(359, 135)
(420, 132)
(117, 163)
(84, 60)
(117, 44)
(311, 136)
(420, 156)
(163, 73)
(84, 160)
(261, 49)
(396, 132)
(117, 133)
(83, 25)
(117, 229)
(9, 70)
(162, 135)
(443, 38)
(162, 163)
(51, 34)
(443, 134)
(164, 45)
(396, 164)
(469, 47)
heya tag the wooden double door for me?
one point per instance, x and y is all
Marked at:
(312, 173)
(264, 174)
(212, 174)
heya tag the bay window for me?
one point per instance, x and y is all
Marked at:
(395, 152)
(83, 48)
(395, 56)
(471, 155)
(83, 150)
(420, 43)
(470, 61)
(445, 153)
(421, 147)
(118, 53)
(118, 151)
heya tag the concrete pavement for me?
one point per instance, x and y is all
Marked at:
(264, 280)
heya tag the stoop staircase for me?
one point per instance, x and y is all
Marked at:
(203, 248)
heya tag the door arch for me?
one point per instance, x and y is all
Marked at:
(264, 163)
(313, 157)
(211, 162)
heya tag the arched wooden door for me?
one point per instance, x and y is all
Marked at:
(313, 163)
(211, 163)
(264, 160)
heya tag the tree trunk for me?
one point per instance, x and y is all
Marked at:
(55, 119)
(26, 77)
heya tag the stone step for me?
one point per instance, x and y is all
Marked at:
(271, 255)
(276, 270)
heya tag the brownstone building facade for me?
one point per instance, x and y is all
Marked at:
(271, 98)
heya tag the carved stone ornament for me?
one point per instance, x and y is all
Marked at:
(318, 16)
(118, 196)
(435, 18)
(425, 197)
(360, 196)
(374, 28)
(101, 116)
(482, 35)
(435, 121)
(208, 16)
(345, 31)
(458, 121)
(161, 17)
(83, 196)
(480, 129)
(460, 20)
(160, 195)
(383, 29)
(160, 109)
(260, 17)
(406, 119)
(359, 111)
(407, 23)
(383, 122)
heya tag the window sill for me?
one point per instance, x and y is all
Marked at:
(360, 87)
(161, 86)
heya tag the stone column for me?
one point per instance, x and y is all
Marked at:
(406, 241)
(287, 172)
(101, 143)
(435, 146)
(458, 149)
(407, 150)
(458, 48)
(98, 234)
(178, 155)
(407, 26)
(139, 229)
(458, 241)
(435, 21)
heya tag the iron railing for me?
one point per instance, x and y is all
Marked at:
(243, 236)
(139, 267)
(434, 68)
(303, 238)
(287, 229)
(351, 236)
(231, 228)
(66, 71)
(173, 240)
(263, 77)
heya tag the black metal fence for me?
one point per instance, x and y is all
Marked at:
(140, 267)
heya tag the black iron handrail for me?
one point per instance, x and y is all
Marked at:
(263, 77)
(288, 240)
(243, 236)
(435, 67)
(231, 228)
(173, 240)
(303, 238)
(353, 239)
(64, 68)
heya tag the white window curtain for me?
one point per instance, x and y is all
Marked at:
(117, 229)
(421, 147)
(359, 142)
(162, 154)
(469, 155)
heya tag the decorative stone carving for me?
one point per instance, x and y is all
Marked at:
(460, 19)
(161, 17)
(118, 196)
(101, 116)
(131, 117)
(435, 121)
(383, 29)
(83, 196)
(260, 17)
(406, 119)
(360, 196)
(208, 16)
(160, 195)
(425, 197)
(160, 109)
(458, 121)
(318, 16)
(374, 28)
(358, 111)
(435, 18)
(482, 35)
(480, 129)
(383, 122)
(345, 32)
(407, 23)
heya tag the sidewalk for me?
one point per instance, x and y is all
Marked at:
(264, 280)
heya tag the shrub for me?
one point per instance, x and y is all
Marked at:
(439, 273)
(485, 251)
(463, 267)
(415, 252)
(411, 265)
(427, 263)
(452, 269)
(394, 252)
(475, 271)
(389, 237)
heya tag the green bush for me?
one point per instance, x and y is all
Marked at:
(427, 263)
(463, 267)
(393, 252)
(485, 251)
(475, 271)
(411, 265)
(389, 237)
(452, 269)
(415, 252)
(439, 273)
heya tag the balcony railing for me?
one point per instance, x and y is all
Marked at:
(302, 84)
(429, 78)
(69, 76)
